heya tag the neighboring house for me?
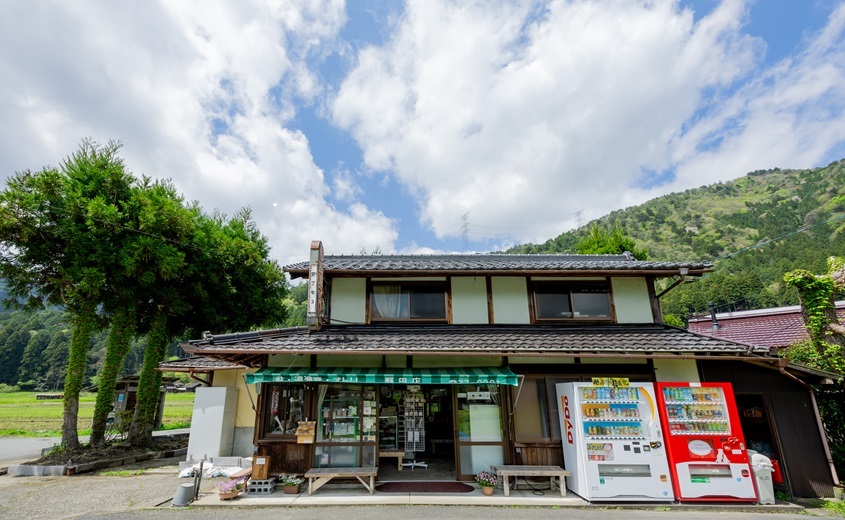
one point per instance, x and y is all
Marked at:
(453, 359)
(777, 327)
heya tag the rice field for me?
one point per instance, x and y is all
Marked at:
(21, 414)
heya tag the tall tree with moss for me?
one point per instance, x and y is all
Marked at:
(151, 259)
(56, 232)
(227, 282)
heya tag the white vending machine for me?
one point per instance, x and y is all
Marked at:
(613, 441)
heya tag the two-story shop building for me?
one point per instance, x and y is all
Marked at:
(452, 361)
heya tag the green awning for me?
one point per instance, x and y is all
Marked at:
(387, 376)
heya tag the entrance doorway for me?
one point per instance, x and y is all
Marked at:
(416, 421)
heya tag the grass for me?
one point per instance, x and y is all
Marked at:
(835, 506)
(123, 473)
(21, 415)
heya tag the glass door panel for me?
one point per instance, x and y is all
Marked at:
(346, 427)
(478, 427)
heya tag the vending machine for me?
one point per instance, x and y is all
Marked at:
(612, 441)
(704, 441)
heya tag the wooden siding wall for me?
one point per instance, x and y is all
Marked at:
(287, 457)
(804, 461)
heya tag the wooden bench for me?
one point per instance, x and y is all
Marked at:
(504, 472)
(49, 396)
(317, 477)
(242, 474)
(398, 454)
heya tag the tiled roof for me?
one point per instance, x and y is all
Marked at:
(491, 263)
(776, 327)
(197, 364)
(500, 340)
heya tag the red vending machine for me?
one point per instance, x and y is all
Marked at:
(705, 446)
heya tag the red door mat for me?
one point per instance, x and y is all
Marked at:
(424, 487)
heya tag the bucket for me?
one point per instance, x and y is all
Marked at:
(184, 495)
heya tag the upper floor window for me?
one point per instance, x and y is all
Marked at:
(408, 301)
(571, 301)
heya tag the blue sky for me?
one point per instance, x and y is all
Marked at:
(376, 125)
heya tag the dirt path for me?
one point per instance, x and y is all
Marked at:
(68, 497)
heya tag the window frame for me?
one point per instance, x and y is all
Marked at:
(447, 307)
(267, 391)
(568, 287)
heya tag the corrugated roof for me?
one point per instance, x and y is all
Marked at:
(451, 339)
(491, 263)
(776, 327)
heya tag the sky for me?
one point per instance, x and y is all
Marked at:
(425, 126)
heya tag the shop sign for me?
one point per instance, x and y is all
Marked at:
(611, 381)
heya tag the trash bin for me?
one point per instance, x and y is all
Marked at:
(762, 468)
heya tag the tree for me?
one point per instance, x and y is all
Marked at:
(826, 347)
(614, 242)
(227, 283)
(56, 234)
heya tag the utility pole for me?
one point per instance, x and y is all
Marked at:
(579, 218)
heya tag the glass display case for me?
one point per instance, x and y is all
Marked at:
(387, 438)
(285, 406)
(347, 426)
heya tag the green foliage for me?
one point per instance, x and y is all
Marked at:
(613, 242)
(825, 348)
(675, 321)
(724, 223)
(108, 247)
(296, 306)
(4, 388)
(835, 506)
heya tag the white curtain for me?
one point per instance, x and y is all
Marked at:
(387, 300)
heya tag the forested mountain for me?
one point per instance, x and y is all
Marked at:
(755, 229)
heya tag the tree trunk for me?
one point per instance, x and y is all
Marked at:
(149, 383)
(82, 327)
(120, 336)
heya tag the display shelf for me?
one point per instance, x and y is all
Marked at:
(414, 422)
(388, 439)
(609, 394)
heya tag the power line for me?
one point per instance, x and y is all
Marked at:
(787, 235)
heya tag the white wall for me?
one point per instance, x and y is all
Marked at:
(675, 370)
(213, 423)
(469, 300)
(510, 300)
(631, 301)
(348, 301)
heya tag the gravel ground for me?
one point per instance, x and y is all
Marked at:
(51, 498)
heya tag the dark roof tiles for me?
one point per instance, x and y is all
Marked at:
(498, 340)
(492, 262)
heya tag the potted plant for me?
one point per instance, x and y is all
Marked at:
(229, 489)
(291, 483)
(487, 481)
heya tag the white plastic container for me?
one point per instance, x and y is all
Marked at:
(762, 468)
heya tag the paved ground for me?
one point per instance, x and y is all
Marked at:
(14, 450)
(149, 495)
(17, 450)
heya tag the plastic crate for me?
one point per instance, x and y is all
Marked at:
(260, 488)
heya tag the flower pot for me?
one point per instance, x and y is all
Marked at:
(292, 490)
(229, 495)
(487, 490)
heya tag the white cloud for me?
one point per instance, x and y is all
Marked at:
(520, 115)
(201, 92)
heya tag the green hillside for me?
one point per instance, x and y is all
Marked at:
(802, 213)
